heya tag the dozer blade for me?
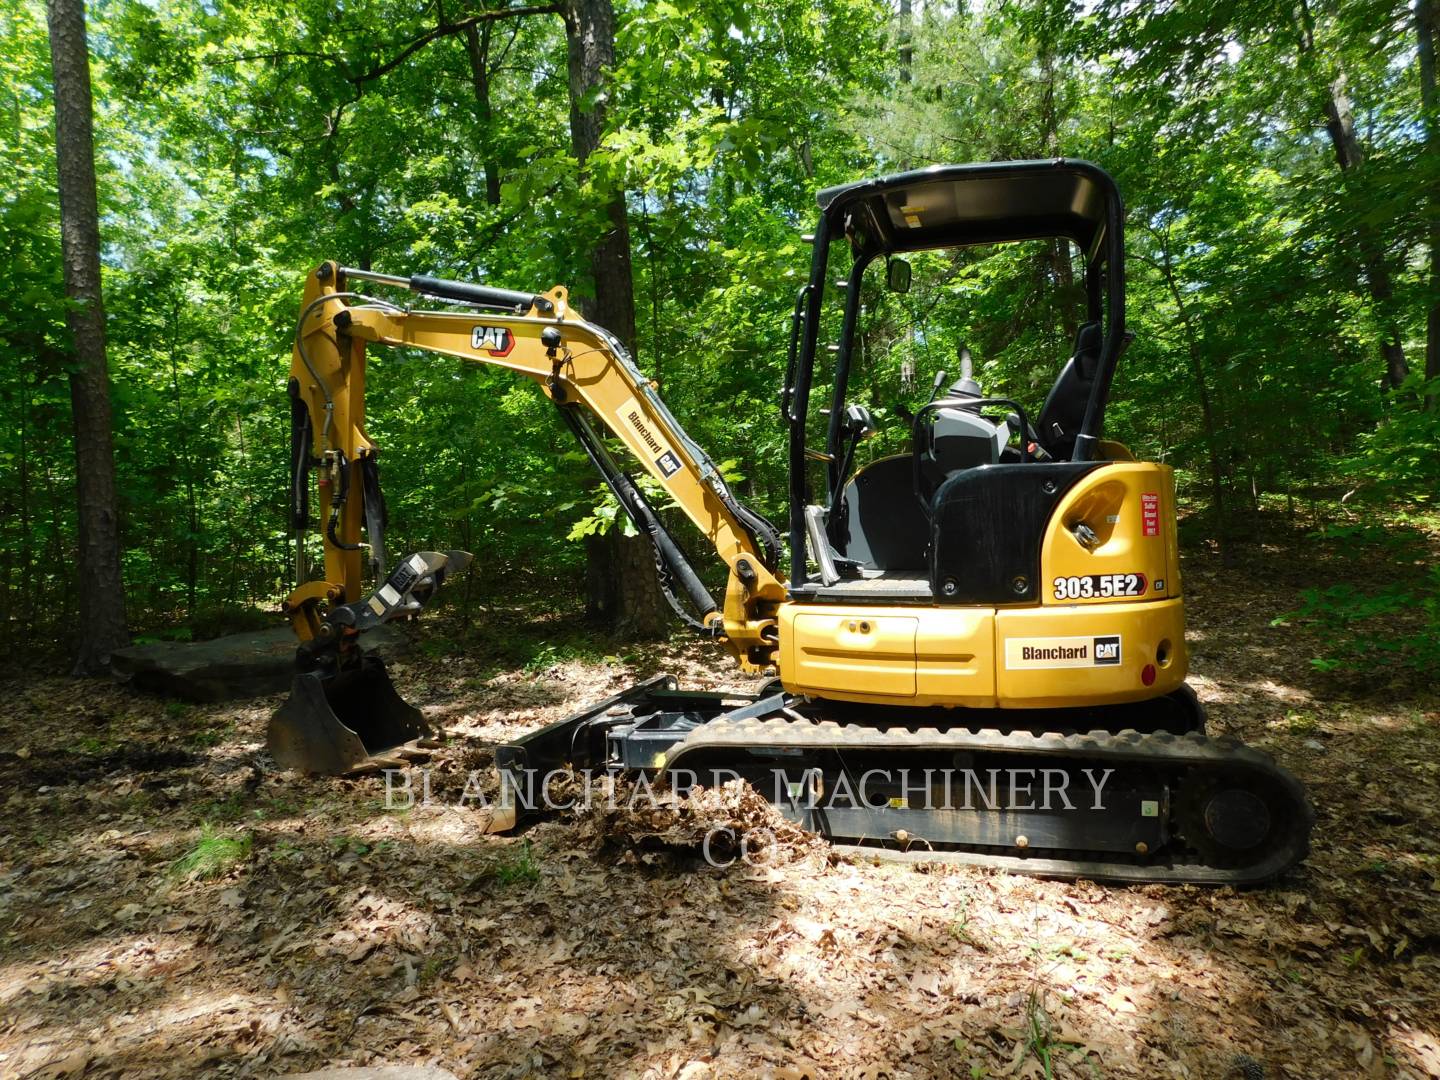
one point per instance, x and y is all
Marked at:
(346, 722)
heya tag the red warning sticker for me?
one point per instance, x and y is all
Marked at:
(1150, 513)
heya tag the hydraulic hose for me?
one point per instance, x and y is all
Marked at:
(670, 562)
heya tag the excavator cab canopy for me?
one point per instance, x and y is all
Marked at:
(961, 205)
(952, 206)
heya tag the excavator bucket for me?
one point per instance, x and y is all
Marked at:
(343, 714)
(350, 721)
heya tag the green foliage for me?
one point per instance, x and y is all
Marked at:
(230, 809)
(517, 867)
(1040, 1039)
(1360, 626)
(214, 855)
(1399, 460)
(239, 144)
(1392, 626)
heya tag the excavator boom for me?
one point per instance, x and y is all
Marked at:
(587, 373)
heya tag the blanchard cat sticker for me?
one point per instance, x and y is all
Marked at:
(495, 340)
(632, 417)
(1064, 652)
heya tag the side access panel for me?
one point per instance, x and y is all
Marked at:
(924, 656)
(854, 653)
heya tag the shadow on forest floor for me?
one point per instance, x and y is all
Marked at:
(179, 908)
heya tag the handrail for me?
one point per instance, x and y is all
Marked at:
(797, 317)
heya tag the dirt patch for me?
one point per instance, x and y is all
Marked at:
(721, 824)
(174, 916)
(56, 767)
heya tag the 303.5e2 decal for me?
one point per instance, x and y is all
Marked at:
(1098, 586)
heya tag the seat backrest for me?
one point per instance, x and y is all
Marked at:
(1064, 408)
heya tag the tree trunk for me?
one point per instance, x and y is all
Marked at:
(1340, 126)
(27, 591)
(1340, 123)
(590, 36)
(186, 464)
(1058, 255)
(477, 47)
(1427, 26)
(1207, 414)
(906, 34)
(623, 591)
(102, 593)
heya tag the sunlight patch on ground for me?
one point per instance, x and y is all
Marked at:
(440, 825)
(367, 920)
(1417, 1047)
(169, 1029)
(133, 958)
(1288, 695)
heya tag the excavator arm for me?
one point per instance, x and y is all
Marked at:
(582, 368)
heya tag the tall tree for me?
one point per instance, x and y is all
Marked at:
(1330, 83)
(590, 41)
(102, 597)
(624, 590)
(1427, 28)
(477, 50)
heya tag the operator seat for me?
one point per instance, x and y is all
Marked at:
(1064, 408)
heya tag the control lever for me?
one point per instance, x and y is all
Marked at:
(935, 390)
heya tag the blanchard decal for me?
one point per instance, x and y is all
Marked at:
(496, 340)
(664, 458)
(1103, 586)
(1065, 652)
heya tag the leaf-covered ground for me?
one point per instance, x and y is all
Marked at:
(170, 906)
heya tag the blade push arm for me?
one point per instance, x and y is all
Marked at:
(579, 366)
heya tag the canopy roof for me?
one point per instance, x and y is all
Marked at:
(958, 205)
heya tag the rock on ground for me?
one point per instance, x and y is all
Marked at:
(228, 668)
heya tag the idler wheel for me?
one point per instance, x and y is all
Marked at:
(1237, 819)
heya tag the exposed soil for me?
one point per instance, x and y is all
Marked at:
(171, 906)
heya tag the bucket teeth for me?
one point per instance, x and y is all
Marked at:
(343, 713)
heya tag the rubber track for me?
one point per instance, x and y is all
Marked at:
(1159, 751)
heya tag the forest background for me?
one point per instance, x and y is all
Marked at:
(1280, 162)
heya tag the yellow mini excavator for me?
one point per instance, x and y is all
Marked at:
(978, 643)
